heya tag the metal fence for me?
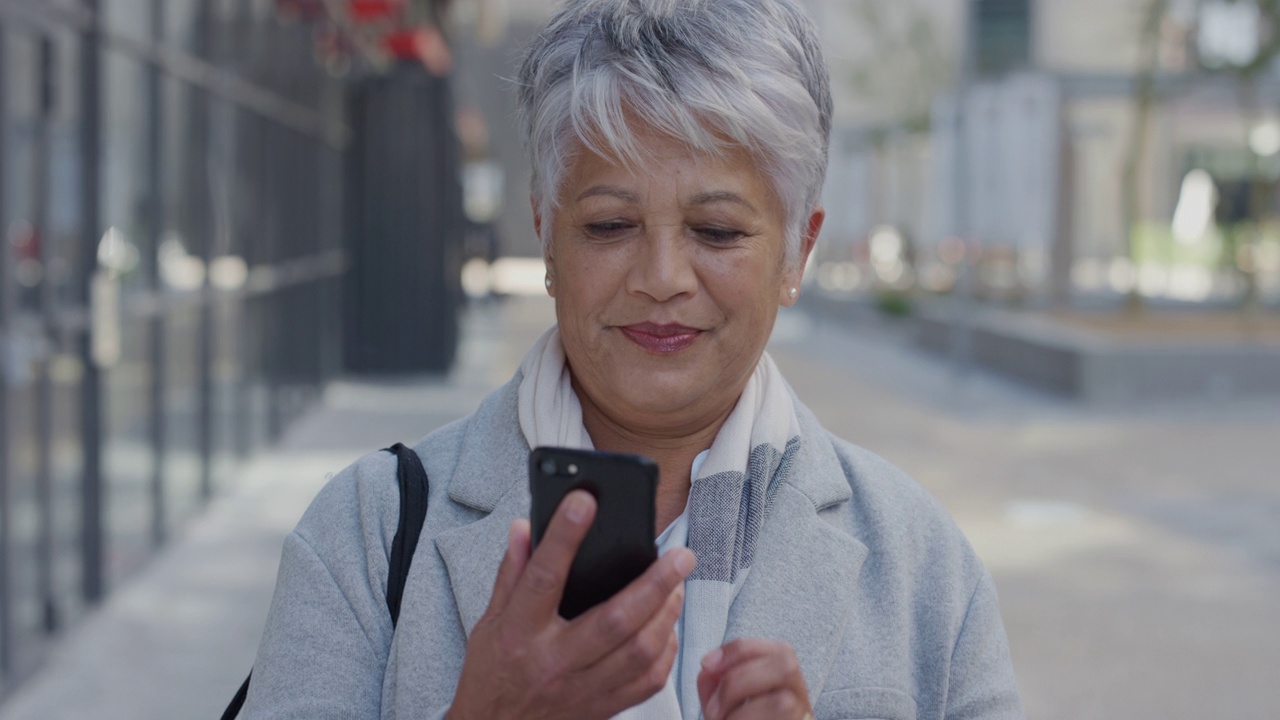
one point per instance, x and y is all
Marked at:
(170, 278)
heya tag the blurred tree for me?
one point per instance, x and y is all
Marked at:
(1241, 59)
(904, 63)
(1144, 99)
(1243, 239)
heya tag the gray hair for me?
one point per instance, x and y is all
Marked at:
(713, 74)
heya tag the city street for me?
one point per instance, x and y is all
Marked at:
(1136, 551)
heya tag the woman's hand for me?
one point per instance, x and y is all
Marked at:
(748, 678)
(525, 661)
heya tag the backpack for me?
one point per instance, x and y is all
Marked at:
(414, 486)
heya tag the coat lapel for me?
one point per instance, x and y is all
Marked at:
(801, 586)
(490, 477)
(472, 554)
(804, 577)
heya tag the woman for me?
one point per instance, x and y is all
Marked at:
(678, 151)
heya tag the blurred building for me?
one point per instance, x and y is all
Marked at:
(1014, 123)
(490, 35)
(189, 199)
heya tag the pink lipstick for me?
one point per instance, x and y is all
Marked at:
(661, 339)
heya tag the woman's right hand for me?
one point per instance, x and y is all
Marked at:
(525, 661)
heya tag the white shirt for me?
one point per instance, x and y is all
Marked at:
(666, 704)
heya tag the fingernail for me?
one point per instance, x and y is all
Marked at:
(576, 507)
(712, 659)
(685, 562)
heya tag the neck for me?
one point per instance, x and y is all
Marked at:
(672, 446)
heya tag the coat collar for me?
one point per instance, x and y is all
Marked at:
(490, 477)
(803, 577)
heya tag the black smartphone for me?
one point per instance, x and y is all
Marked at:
(619, 546)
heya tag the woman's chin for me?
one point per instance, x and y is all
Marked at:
(658, 396)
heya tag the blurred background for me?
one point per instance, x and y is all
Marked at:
(243, 242)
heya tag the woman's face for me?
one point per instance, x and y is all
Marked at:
(667, 281)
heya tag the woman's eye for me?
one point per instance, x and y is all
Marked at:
(607, 230)
(720, 236)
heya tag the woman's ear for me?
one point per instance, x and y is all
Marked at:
(795, 273)
(810, 238)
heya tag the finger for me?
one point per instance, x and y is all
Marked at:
(720, 660)
(648, 683)
(737, 651)
(512, 566)
(542, 582)
(632, 658)
(777, 705)
(776, 672)
(707, 683)
(608, 625)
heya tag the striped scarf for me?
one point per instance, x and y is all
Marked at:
(728, 501)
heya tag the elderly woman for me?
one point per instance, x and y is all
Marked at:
(678, 151)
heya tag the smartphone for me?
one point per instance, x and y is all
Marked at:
(619, 546)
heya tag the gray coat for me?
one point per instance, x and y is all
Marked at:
(890, 611)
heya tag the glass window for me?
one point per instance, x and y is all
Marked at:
(67, 268)
(130, 18)
(1002, 35)
(25, 269)
(182, 402)
(24, 255)
(183, 262)
(128, 455)
(227, 274)
(180, 19)
(126, 209)
(129, 460)
(65, 173)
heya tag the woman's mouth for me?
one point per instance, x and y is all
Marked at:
(661, 339)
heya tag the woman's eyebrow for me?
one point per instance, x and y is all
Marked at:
(717, 196)
(609, 191)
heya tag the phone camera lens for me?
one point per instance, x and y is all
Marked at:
(548, 467)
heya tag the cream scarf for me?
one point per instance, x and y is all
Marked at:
(751, 455)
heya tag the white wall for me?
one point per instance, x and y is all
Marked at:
(1104, 36)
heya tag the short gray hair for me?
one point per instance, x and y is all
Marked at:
(710, 73)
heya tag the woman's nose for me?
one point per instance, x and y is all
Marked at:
(663, 267)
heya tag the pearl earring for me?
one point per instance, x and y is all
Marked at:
(548, 282)
(793, 293)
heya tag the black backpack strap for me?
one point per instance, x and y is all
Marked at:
(414, 486)
(237, 702)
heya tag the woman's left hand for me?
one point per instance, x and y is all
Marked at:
(749, 678)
